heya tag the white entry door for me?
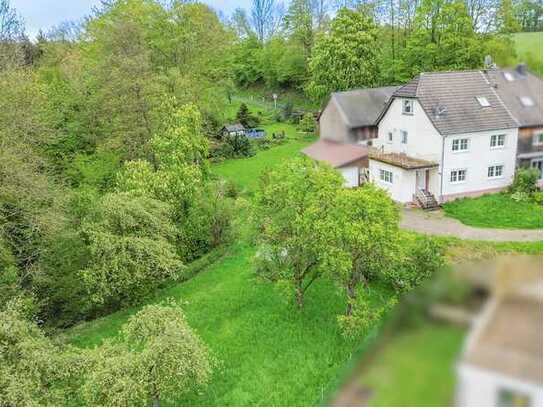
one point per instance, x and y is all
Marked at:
(421, 180)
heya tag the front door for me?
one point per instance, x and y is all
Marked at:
(421, 180)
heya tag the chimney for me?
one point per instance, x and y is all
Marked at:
(522, 69)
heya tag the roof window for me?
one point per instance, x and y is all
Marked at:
(483, 101)
(527, 101)
(509, 76)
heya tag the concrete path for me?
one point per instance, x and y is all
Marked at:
(436, 223)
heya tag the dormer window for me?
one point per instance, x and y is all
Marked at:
(527, 101)
(483, 101)
(407, 106)
(509, 76)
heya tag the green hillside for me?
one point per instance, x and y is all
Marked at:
(530, 49)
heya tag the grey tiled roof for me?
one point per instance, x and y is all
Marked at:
(522, 85)
(362, 107)
(454, 95)
(234, 127)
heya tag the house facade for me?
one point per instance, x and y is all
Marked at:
(522, 92)
(502, 361)
(350, 117)
(444, 136)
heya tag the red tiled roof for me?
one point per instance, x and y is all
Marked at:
(334, 153)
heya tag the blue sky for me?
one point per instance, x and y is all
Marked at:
(47, 13)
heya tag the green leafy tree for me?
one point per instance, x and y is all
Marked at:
(292, 208)
(33, 370)
(366, 225)
(307, 124)
(158, 358)
(345, 56)
(131, 243)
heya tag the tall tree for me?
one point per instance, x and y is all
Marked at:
(292, 207)
(344, 57)
(11, 36)
(266, 17)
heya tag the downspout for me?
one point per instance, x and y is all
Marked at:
(442, 167)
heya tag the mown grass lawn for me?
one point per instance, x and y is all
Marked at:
(496, 211)
(415, 368)
(269, 353)
(246, 172)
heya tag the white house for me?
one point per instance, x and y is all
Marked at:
(442, 136)
(502, 362)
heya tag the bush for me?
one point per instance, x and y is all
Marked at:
(525, 181)
(208, 223)
(245, 117)
(520, 196)
(537, 197)
(307, 124)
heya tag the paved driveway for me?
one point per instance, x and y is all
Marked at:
(436, 223)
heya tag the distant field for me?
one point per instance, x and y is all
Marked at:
(530, 48)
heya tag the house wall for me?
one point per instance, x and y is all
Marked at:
(403, 181)
(526, 140)
(332, 125)
(476, 161)
(423, 140)
(480, 388)
(351, 175)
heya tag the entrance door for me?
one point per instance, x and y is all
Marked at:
(421, 180)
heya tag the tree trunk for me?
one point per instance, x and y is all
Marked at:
(299, 295)
(351, 297)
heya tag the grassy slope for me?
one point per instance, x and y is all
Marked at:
(245, 172)
(416, 368)
(269, 353)
(496, 211)
(529, 45)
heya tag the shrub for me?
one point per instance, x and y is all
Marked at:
(245, 117)
(520, 196)
(537, 197)
(525, 181)
(307, 124)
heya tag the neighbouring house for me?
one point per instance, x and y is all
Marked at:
(442, 136)
(351, 160)
(236, 129)
(502, 360)
(351, 117)
(522, 92)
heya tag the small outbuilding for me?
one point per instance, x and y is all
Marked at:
(236, 129)
(349, 159)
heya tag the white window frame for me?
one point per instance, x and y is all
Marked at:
(483, 101)
(509, 76)
(459, 143)
(526, 101)
(386, 176)
(495, 141)
(408, 106)
(538, 139)
(456, 173)
(494, 171)
(404, 136)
